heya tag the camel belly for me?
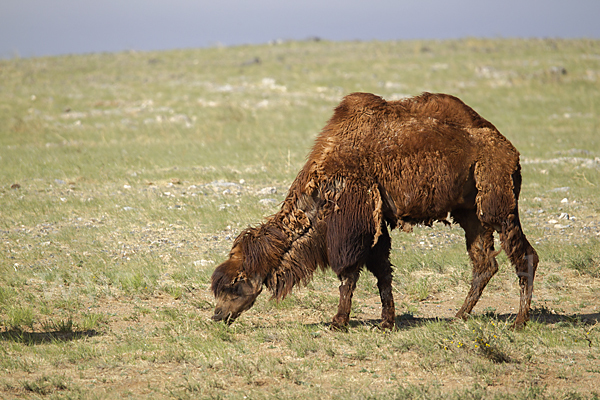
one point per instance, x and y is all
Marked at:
(424, 196)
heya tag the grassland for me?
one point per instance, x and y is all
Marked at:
(125, 177)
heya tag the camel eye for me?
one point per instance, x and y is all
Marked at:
(234, 289)
(238, 288)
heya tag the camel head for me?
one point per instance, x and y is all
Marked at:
(234, 290)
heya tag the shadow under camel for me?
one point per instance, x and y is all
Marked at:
(34, 338)
(405, 321)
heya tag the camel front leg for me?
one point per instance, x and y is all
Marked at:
(347, 286)
(388, 312)
(379, 264)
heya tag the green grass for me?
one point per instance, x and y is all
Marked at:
(126, 177)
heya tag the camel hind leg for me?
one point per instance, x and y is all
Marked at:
(514, 243)
(480, 246)
(525, 260)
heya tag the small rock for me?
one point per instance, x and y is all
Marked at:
(564, 216)
(267, 191)
(255, 60)
(267, 202)
(225, 206)
(15, 186)
(219, 186)
(203, 263)
(565, 200)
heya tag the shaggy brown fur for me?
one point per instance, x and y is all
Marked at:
(375, 165)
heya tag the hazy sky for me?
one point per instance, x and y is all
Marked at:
(50, 27)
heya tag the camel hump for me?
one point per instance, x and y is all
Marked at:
(360, 100)
(356, 104)
(449, 109)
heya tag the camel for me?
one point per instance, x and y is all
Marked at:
(379, 165)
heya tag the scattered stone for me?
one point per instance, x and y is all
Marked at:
(564, 201)
(225, 206)
(217, 185)
(203, 263)
(267, 191)
(267, 202)
(252, 61)
(15, 186)
(573, 152)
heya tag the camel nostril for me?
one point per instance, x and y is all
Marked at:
(218, 314)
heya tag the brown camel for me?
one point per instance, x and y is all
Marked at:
(379, 165)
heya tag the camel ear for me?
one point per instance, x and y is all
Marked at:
(244, 286)
(255, 281)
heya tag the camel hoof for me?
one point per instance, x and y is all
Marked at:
(387, 325)
(338, 327)
(518, 325)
